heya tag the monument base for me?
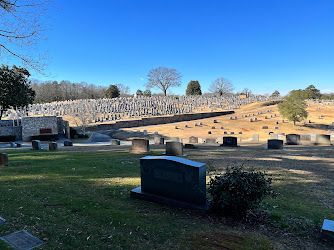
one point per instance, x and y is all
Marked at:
(138, 194)
(139, 152)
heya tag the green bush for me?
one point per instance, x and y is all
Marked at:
(73, 132)
(7, 138)
(45, 137)
(238, 191)
(75, 135)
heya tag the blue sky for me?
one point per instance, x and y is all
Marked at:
(262, 45)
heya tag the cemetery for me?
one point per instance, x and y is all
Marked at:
(115, 189)
(166, 125)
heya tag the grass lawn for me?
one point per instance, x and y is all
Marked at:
(78, 198)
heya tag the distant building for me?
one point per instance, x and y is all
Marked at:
(243, 96)
(26, 127)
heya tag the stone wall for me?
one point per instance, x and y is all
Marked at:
(31, 126)
(17, 131)
(63, 127)
(156, 120)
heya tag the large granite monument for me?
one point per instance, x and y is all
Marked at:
(173, 181)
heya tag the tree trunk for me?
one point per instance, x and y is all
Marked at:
(165, 92)
(1, 112)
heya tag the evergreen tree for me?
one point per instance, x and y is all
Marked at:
(193, 88)
(112, 92)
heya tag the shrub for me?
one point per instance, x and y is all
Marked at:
(75, 135)
(7, 138)
(45, 137)
(73, 132)
(237, 191)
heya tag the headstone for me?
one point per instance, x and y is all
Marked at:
(327, 229)
(22, 240)
(18, 145)
(210, 140)
(12, 144)
(323, 140)
(174, 148)
(115, 142)
(193, 139)
(275, 144)
(186, 126)
(173, 181)
(255, 137)
(265, 127)
(215, 121)
(292, 139)
(3, 159)
(209, 132)
(276, 127)
(175, 127)
(273, 136)
(230, 141)
(158, 140)
(213, 127)
(189, 146)
(53, 146)
(240, 133)
(232, 133)
(221, 127)
(305, 137)
(200, 123)
(36, 144)
(140, 146)
(68, 143)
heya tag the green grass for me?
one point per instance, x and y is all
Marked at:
(81, 200)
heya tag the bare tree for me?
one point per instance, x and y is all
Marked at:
(247, 92)
(21, 28)
(163, 78)
(81, 117)
(221, 86)
(123, 90)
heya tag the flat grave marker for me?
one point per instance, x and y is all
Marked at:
(2, 221)
(328, 228)
(22, 240)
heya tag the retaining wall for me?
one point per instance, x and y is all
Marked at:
(156, 120)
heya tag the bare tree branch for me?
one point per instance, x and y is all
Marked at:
(21, 30)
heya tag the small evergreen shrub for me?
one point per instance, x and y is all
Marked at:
(45, 137)
(75, 135)
(238, 191)
(7, 138)
(73, 132)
